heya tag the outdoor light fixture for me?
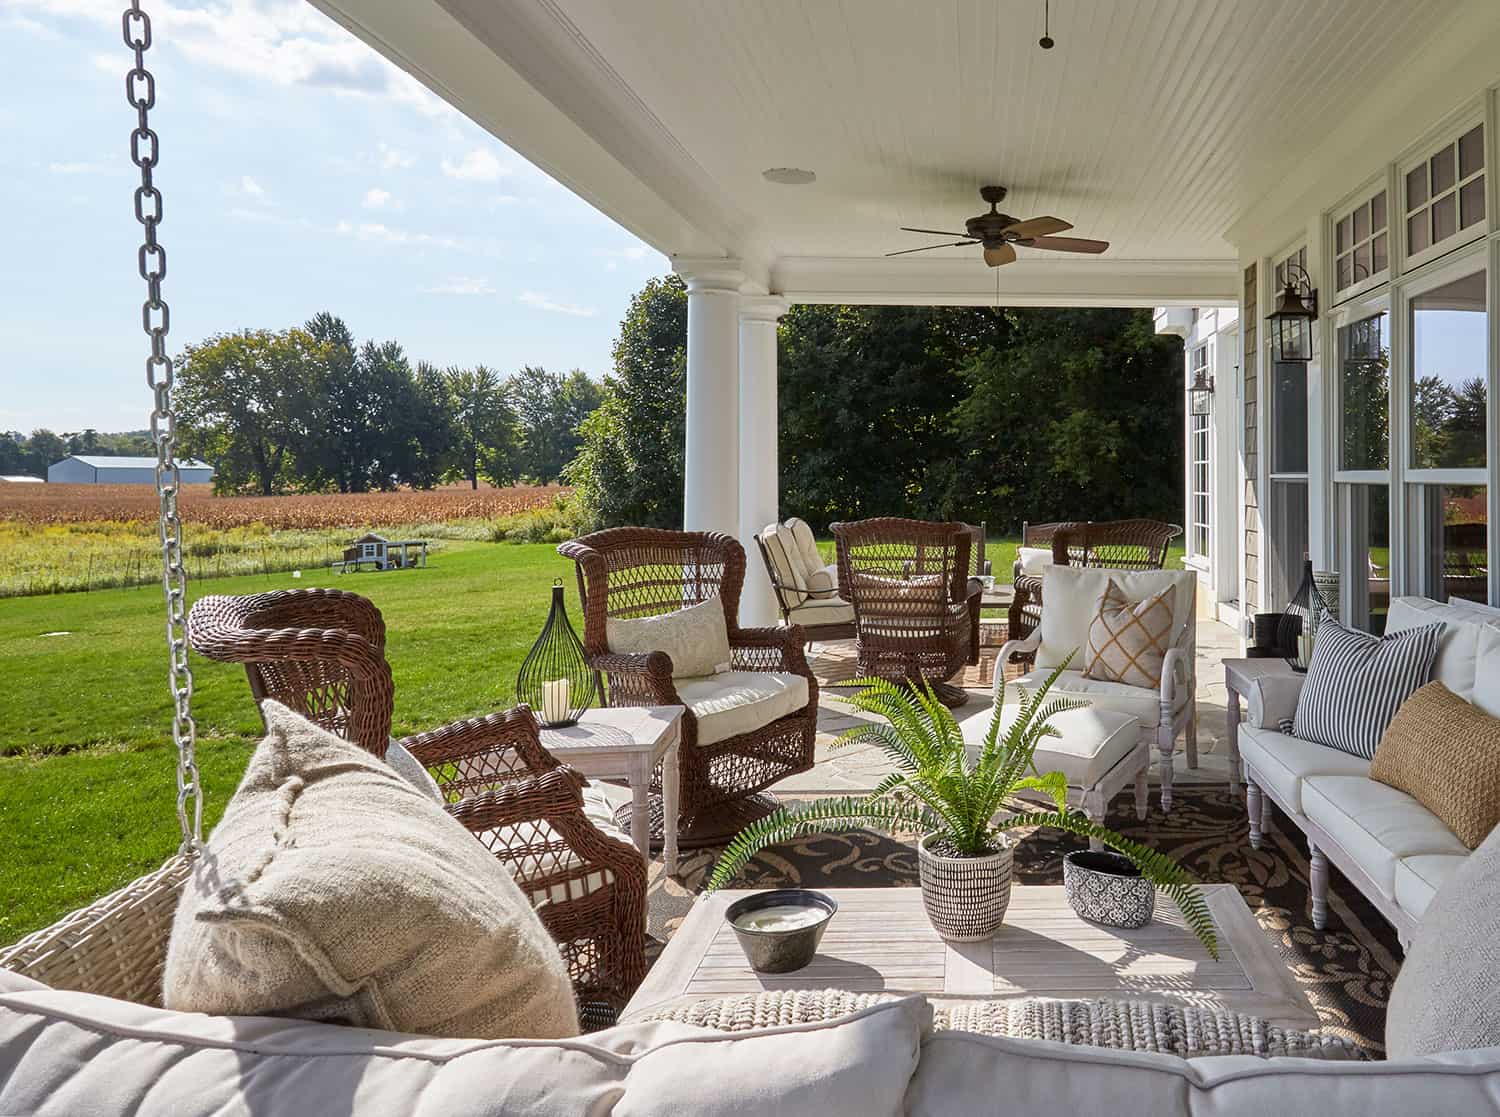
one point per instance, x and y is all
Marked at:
(1200, 392)
(1291, 321)
(555, 680)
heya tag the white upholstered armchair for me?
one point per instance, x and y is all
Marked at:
(1072, 597)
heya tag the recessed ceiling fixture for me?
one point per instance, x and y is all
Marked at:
(788, 176)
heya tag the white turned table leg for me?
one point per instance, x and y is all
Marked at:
(1253, 808)
(1267, 812)
(1233, 727)
(1095, 808)
(640, 806)
(671, 786)
(1141, 790)
(1318, 874)
(1165, 745)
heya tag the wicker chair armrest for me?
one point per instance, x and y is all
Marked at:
(511, 731)
(528, 799)
(280, 644)
(651, 671)
(769, 649)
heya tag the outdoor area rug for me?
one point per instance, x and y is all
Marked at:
(1346, 970)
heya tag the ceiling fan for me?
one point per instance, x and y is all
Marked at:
(1000, 232)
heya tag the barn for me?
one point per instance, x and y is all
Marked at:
(88, 469)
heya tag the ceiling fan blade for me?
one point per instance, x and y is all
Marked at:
(930, 247)
(934, 232)
(1037, 227)
(994, 257)
(1068, 244)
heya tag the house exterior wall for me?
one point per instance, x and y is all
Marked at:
(1250, 446)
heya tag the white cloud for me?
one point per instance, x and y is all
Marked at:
(392, 159)
(376, 198)
(380, 233)
(477, 166)
(461, 285)
(250, 188)
(78, 168)
(542, 302)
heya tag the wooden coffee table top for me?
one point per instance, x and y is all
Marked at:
(880, 940)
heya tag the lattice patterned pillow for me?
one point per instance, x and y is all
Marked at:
(1129, 639)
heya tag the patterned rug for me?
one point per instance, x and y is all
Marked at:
(1346, 971)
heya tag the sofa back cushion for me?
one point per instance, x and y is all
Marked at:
(334, 890)
(1356, 682)
(64, 1054)
(1070, 602)
(1454, 666)
(1446, 997)
(1444, 753)
(696, 638)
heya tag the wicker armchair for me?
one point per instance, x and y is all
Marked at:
(916, 609)
(1120, 544)
(743, 729)
(322, 652)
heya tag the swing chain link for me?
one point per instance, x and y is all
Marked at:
(140, 92)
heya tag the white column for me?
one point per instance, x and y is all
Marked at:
(711, 487)
(759, 498)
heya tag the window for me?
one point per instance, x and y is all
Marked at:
(1450, 541)
(1287, 506)
(1365, 393)
(1200, 433)
(1367, 554)
(1449, 389)
(1289, 417)
(1445, 192)
(1360, 244)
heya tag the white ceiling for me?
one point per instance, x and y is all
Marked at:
(1153, 124)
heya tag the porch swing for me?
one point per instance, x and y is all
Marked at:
(322, 653)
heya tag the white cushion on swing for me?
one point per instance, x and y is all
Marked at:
(334, 890)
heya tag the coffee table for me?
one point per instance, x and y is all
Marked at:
(626, 743)
(880, 940)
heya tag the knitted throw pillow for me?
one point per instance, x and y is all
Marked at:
(1445, 754)
(696, 638)
(1356, 682)
(1129, 639)
(334, 890)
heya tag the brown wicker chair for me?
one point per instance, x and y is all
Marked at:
(916, 609)
(632, 572)
(1121, 544)
(322, 652)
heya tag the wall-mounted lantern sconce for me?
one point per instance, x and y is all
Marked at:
(1291, 321)
(1201, 392)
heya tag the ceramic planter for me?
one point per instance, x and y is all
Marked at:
(1107, 888)
(965, 897)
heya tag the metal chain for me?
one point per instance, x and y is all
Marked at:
(140, 91)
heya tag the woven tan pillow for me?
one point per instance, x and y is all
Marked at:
(1445, 754)
(334, 890)
(1129, 639)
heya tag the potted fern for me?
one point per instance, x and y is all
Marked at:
(963, 805)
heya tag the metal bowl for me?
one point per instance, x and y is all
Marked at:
(780, 951)
(1108, 888)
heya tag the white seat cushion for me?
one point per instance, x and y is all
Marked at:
(1142, 703)
(1092, 741)
(736, 702)
(1376, 825)
(1071, 595)
(1418, 878)
(599, 810)
(1033, 560)
(833, 610)
(1281, 762)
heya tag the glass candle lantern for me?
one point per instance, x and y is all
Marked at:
(555, 679)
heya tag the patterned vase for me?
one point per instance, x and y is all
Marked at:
(965, 897)
(1107, 888)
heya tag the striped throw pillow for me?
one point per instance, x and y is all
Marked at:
(1356, 682)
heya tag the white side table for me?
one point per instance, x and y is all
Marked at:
(627, 742)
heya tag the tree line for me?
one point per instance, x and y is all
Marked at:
(972, 413)
(31, 455)
(309, 409)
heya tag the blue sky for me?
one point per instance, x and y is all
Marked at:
(300, 173)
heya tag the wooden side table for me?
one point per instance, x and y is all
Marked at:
(627, 742)
(1239, 676)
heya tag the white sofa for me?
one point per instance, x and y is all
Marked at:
(1072, 596)
(1389, 846)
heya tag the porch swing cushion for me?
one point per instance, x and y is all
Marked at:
(334, 890)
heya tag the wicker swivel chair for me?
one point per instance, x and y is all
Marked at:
(916, 609)
(321, 652)
(1120, 544)
(742, 729)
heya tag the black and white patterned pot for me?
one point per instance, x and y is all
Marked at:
(1106, 888)
(965, 897)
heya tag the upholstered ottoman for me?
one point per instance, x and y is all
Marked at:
(1099, 751)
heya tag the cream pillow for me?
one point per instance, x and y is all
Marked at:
(334, 890)
(697, 638)
(1128, 640)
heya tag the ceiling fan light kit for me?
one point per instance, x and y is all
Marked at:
(999, 233)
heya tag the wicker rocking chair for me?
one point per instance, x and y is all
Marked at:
(916, 608)
(1119, 544)
(742, 730)
(322, 652)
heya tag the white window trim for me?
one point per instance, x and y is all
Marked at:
(1414, 156)
(1346, 206)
